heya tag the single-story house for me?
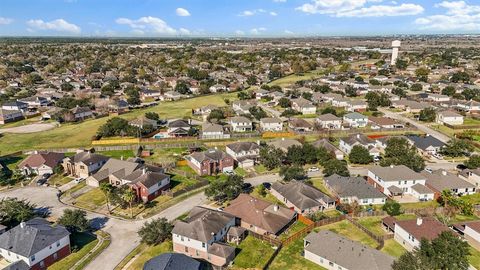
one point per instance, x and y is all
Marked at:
(301, 197)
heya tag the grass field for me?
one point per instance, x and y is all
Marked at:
(319, 184)
(269, 197)
(348, 230)
(58, 180)
(83, 243)
(373, 224)
(118, 154)
(92, 199)
(148, 252)
(393, 248)
(252, 254)
(80, 134)
(290, 257)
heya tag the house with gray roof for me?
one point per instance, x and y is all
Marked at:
(428, 145)
(271, 124)
(214, 131)
(283, 144)
(333, 252)
(83, 163)
(355, 120)
(240, 124)
(301, 197)
(35, 243)
(202, 235)
(354, 189)
(172, 261)
(440, 180)
(394, 180)
(244, 153)
(329, 121)
(347, 144)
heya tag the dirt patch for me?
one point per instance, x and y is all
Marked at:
(32, 128)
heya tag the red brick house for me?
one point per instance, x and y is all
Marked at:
(210, 162)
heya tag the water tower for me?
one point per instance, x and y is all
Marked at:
(395, 46)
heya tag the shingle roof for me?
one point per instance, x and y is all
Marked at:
(429, 228)
(352, 187)
(421, 189)
(50, 159)
(35, 235)
(328, 117)
(358, 138)
(396, 173)
(172, 261)
(347, 253)
(18, 265)
(243, 146)
(423, 142)
(441, 180)
(88, 158)
(210, 154)
(301, 195)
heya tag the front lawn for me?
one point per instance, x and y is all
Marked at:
(11, 161)
(82, 245)
(473, 199)
(92, 199)
(148, 252)
(392, 248)
(59, 180)
(290, 257)
(252, 253)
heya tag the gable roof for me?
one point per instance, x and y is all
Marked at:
(116, 167)
(243, 146)
(396, 173)
(260, 213)
(346, 253)
(88, 158)
(301, 195)
(50, 159)
(424, 142)
(210, 154)
(32, 236)
(441, 180)
(355, 116)
(358, 138)
(328, 117)
(429, 228)
(172, 261)
(352, 187)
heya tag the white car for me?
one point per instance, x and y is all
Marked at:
(313, 169)
(79, 179)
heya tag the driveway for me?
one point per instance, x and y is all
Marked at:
(31, 128)
(440, 136)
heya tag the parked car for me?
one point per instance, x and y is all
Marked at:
(41, 181)
(313, 169)
(429, 170)
(247, 187)
(79, 179)
(267, 185)
(461, 167)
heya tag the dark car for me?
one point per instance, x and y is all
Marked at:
(41, 181)
(461, 167)
(247, 187)
(267, 185)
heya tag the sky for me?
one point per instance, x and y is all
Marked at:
(237, 18)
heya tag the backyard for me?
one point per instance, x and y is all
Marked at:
(252, 253)
(290, 257)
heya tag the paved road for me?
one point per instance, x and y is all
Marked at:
(31, 128)
(440, 136)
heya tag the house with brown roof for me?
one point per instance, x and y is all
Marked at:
(40, 163)
(409, 233)
(470, 231)
(301, 197)
(202, 234)
(211, 161)
(260, 216)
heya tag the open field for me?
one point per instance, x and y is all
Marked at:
(80, 134)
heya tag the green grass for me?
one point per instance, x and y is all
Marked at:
(167, 155)
(252, 253)
(75, 188)
(373, 224)
(348, 230)
(148, 252)
(293, 229)
(261, 169)
(290, 257)
(84, 243)
(269, 197)
(179, 182)
(473, 199)
(471, 121)
(240, 171)
(80, 134)
(420, 205)
(393, 248)
(118, 154)
(11, 161)
(59, 180)
(320, 185)
(92, 199)
(474, 257)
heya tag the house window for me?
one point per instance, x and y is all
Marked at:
(399, 182)
(330, 263)
(405, 182)
(58, 243)
(32, 258)
(414, 182)
(203, 245)
(186, 249)
(181, 238)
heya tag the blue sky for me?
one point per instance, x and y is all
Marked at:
(252, 18)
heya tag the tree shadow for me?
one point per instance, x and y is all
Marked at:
(97, 223)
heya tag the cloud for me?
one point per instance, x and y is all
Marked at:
(182, 12)
(458, 16)
(148, 23)
(248, 13)
(273, 13)
(5, 21)
(257, 31)
(383, 10)
(288, 32)
(239, 33)
(59, 25)
(359, 8)
(184, 31)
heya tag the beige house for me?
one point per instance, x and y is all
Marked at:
(83, 163)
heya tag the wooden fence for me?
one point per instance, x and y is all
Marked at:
(380, 239)
(302, 233)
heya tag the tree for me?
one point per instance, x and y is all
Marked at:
(271, 157)
(294, 172)
(447, 251)
(457, 148)
(400, 152)
(329, 110)
(376, 100)
(262, 190)
(449, 91)
(324, 88)
(360, 155)
(221, 190)
(183, 88)
(107, 190)
(416, 87)
(460, 77)
(399, 92)
(66, 87)
(284, 102)
(427, 115)
(216, 114)
(74, 220)
(129, 196)
(257, 112)
(392, 208)
(13, 211)
(334, 166)
(290, 112)
(473, 162)
(152, 116)
(155, 231)
(350, 91)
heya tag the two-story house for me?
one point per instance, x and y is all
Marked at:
(395, 180)
(241, 124)
(271, 124)
(304, 106)
(355, 120)
(245, 153)
(83, 163)
(211, 161)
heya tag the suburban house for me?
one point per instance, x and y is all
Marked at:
(300, 125)
(408, 233)
(245, 153)
(355, 120)
(394, 180)
(304, 106)
(329, 121)
(143, 122)
(438, 97)
(427, 145)
(81, 113)
(171, 95)
(35, 101)
(260, 216)
(271, 124)
(213, 131)
(40, 163)
(202, 235)
(210, 162)
(347, 144)
(243, 106)
(172, 261)
(178, 128)
(334, 252)
(325, 143)
(449, 117)
(473, 176)
(441, 180)
(8, 116)
(149, 94)
(301, 197)
(470, 106)
(34, 244)
(470, 231)
(357, 105)
(283, 144)
(240, 124)
(354, 189)
(384, 122)
(15, 106)
(83, 163)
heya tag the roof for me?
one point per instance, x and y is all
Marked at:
(50, 159)
(259, 213)
(240, 119)
(201, 223)
(301, 102)
(382, 121)
(474, 225)
(146, 178)
(396, 173)
(271, 120)
(172, 261)
(18, 265)
(352, 187)
(77, 110)
(300, 123)
(210, 154)
(449, 113)
(355, 115)
(328, 117)
(424, 142)
(178, 124)
(441, 180)
(429, 228)
(421, 189)
(301, 195)
(88, 158)
(32, 236)
(243, 146)
(325, 143)
(358, 138)
(209, 127)
(221, 250)
(346, 253)
(118, 168)
(284, 144)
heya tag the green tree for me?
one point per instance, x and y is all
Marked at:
(392, 208)
(376, 100)
(13, 211)
(334, 166)
(74, 220)
(216, 115)
(129, 196)
(262, 190)
(400, 152)
(271, 157)
(221, 190)
(152, 116)
(156, 231)
(473, 162)
(449, 91)
(294, 172)
(66, 87)
(457, 148)
(284, 102)
(416, 87)
(257, 112)
(427, 115)
(350, 91)
(107, 190)
(360, 155)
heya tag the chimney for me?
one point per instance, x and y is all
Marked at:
(358, 136)
(22, 224)
(275, 208)
(444, 173)
(419, 221)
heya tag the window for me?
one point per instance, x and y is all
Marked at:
(399, 182)
(203, 245)
(186, 249)
(31, 258)
(55, 256)
(181, 238)
(330, 263)
(42, 264)
(405, 182)
(413, 181)
(58, 243)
